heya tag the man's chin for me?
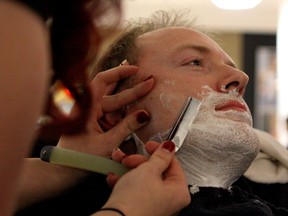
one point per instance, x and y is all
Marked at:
(237, 117)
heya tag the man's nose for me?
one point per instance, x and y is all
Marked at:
(235, 80)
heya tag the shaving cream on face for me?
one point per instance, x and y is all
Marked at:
(220, 145)
(169, 98)
(162, 102)
(167, 103)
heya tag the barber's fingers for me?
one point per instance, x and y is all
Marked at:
(162, 157)
(164, 161)
(112, 179)
(175, 172)
(114, 102)
(128, 125)
(130, 161)
(133, 161)
(118, 155)
(151, 146)
(106, 78)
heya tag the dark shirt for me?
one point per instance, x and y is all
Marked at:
(83, 200)
(211, 201)
(275, 193)
(91, 194)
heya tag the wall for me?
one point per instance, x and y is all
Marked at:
(232, 43)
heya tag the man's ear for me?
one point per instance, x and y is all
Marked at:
(109, 120)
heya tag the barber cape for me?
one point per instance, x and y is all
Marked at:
(211, 201)
(271, 164)
(269, 167)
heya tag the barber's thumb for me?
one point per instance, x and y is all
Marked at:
(168, 146)
(163, 156)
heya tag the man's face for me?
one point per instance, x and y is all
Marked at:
(221, 144)
(184, 63)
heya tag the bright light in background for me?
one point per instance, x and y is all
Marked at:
(282, 73)
(236, 4)
(62, 98)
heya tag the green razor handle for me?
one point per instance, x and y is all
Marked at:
(79, 160)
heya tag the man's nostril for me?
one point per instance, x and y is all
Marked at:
(232, 84)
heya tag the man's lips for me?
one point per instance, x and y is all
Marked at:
(231, 105)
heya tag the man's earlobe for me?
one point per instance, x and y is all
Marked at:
(128, 146)
(109, 120)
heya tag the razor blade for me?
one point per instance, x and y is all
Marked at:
(184, 121)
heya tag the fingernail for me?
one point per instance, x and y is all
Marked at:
(125, 62)
(142, 117)
(124, 156)
(149, 77)
(116, 149)
(128, 138)
(170, 146)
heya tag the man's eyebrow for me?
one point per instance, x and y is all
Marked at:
(198, 48)
(203, 50)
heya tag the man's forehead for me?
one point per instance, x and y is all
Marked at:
(177, 39)
(173, 36)
(171, 30)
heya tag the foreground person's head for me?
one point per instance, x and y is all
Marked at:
(185, 62)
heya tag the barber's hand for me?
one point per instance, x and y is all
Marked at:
(155, 187)
(97, 141)
(130, 161)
